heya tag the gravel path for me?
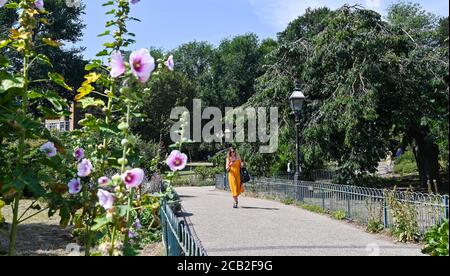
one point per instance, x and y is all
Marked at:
(267, 228)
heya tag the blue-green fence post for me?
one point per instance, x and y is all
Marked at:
(446, 206)
(385, 213)
(348, 195)
(323, 199)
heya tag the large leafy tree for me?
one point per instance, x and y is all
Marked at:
(370, 85)
(168, 90)
(66, 24)
(238, 65)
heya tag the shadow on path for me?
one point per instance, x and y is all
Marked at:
(38, 239)
(259, 208)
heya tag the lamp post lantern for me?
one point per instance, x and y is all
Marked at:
(297, 100)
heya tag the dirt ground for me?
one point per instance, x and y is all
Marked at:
(42, 236)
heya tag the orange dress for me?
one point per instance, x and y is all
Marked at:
(234, 178)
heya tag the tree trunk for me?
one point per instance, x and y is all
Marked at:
(426, 153)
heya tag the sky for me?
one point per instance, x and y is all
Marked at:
(169, 23)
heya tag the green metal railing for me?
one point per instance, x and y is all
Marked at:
(177, 236)
(359, 204)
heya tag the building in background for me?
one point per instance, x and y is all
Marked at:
(65, 123)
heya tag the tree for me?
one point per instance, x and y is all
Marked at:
(67, 26)
(442, 33)
(412, 19)
(367, 82)
(239, 64)
(168, 90)
(430, 35)
(305, 26)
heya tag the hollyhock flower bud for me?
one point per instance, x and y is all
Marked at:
(169, 63)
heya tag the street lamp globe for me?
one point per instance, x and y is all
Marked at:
(297, 100)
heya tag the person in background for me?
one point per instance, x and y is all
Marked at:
(289, 170)
(233, 166)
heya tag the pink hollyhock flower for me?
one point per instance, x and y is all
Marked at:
(49, 149)
(117, 64)
(2, 3)
(169, 63)
(78, 154)
(74, 186)
(177, 160)
(39, 4)
(85, 168)
(133, 178)
(105, 199)
(104, 180)
(142, 64)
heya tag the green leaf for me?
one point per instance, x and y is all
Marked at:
(4, 43)
(12, 5)
(110, 23)
(106, 129)
(90, 121)
(109, 3)
(93, 65)
(104, 33)
(102, 53)
(3, 61)
(135, 19)
(59, 80)
(49, 113)
(51, 42)
(35, 95)
(122, 210)
(44, 59)
(109, 44)
(130, 251)
(64, 213)
(10, 83)
(110, 12)
(100, 223)
(89, 101)
(58, 103)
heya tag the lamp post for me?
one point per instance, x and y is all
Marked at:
(297, 100)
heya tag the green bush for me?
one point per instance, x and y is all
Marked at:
(375, 226)
(436, 240)
(205, 173)
(312, 208)
(406, 164)
(405, 227)
(339, 215)
(288, 201)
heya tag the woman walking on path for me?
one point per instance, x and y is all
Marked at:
(234, 165)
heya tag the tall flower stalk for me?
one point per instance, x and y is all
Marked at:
(23, 173)
(125, 82)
